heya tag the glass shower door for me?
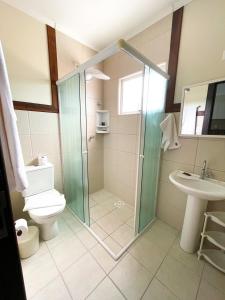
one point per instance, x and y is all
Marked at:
(153, 111)
(71, 141)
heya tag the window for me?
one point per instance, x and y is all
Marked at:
(130, 94)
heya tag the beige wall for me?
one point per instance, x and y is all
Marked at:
(121, 144)
(202, 44)
(200, 59)
(24, 42)
(154, 43)
(70, 53)
(171, 202)
(39, 132)
(94, 98)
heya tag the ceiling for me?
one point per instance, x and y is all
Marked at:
(97, 23)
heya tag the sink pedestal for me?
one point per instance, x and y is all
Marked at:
(193, 222)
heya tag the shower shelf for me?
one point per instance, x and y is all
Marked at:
(102, 131)
(102, 121)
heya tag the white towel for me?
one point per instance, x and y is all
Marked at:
(10, 142)
(170, 138)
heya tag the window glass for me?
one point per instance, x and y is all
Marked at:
(131, 94)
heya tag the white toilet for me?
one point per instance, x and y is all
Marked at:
(41, 188)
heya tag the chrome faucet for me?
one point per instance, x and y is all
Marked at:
(204, 174)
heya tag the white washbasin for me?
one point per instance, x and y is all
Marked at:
(198, 191)
(207, 189)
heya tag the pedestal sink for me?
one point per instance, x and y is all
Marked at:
(199, 191)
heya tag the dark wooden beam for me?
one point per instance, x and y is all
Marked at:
(173, 60)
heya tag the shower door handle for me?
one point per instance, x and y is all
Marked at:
(141, 156)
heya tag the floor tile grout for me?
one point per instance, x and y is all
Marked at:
(117, 287)
(60, 273)
(155, 274)
(88, 251)
(111, 211)
(200, 281)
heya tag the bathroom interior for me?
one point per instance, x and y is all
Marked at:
(122, 145)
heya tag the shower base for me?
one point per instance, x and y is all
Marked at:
(111, 222)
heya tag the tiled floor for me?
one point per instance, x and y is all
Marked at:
(112, 220)
(75, 266)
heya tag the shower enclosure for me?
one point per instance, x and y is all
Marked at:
(110, 111)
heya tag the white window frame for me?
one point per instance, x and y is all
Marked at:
(120, 90)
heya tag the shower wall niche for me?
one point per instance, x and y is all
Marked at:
(111, 176)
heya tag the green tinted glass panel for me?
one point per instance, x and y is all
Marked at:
(70, 123)
(153, 106)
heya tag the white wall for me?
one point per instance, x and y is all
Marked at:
(94, 98)
(24, 42)
(154, 43)
(190, 157)
(121, 144)
(202, 44)
(39, 134)
(39, 131)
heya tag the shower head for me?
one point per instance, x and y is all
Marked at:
(95, 73)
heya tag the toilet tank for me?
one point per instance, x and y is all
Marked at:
(40, 179)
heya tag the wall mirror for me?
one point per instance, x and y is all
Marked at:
(203, 109)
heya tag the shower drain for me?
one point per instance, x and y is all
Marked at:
(119, 204)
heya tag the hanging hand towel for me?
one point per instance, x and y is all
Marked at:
(10, 142)
(170, 138)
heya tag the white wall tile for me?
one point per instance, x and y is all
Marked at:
(189, 158)
(25, 141)
(128, 124)
(23, 122)
(171, 205)
(39, 134)
(186, 154)
(43, 123)
(213, 151)
(169, 166)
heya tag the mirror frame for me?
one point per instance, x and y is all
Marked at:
(182, 107)
(53, 70)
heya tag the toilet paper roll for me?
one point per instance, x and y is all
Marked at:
(21, 228)
(42, 160)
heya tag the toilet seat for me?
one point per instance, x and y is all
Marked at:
(46, 212)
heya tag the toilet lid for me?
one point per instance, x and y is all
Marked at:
(51, 197)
